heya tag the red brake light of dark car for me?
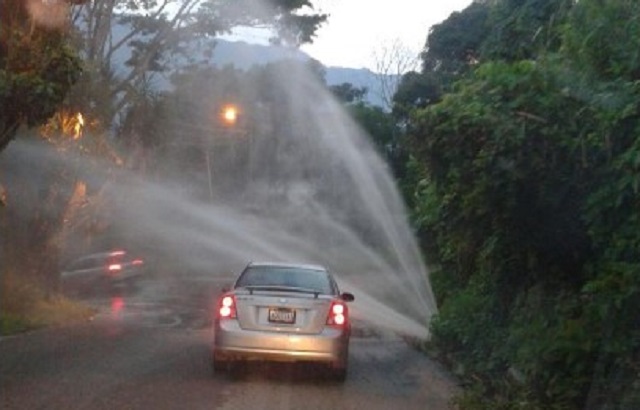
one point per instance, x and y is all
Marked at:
(114, 267)
(337, 314)
(137, 262)
(227, 307)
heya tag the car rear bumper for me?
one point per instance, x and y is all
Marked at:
(234, 343)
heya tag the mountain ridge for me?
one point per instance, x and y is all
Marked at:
(243, 55)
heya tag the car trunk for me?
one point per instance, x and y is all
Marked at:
(287, 312)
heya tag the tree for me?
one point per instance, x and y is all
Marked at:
(451, 50)
(596, 43)
(455, 44)
(508, 30)
(124, 48)
(523, 29)
(529, 198)
(348, 93)
(417, 90)
(37, 65)
(392, 61)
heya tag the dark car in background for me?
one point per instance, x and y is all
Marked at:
(284, 313)
(91, 272)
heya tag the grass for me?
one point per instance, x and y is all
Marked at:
(24, 306)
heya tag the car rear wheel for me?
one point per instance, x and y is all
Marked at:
(338, 370)
(233, 368)
(219, 365)
(339, 374)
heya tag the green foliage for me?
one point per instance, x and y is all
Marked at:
(37, 70)
(505, 177)
(10, 324)
(36, 84)
(24, 306)
(455, 43)
(417, 91)
(553, 329)
(380, 126)
(524, 29)
(467, 326)
(347, 93)
(529, 203)
(383, 129)
(611, 303)
(451, 50)
(504, 30)
(604, 38)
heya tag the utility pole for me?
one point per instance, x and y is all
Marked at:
(227, 121)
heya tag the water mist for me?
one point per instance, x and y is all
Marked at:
(298, 182)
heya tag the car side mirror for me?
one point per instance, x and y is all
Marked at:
(347, 297)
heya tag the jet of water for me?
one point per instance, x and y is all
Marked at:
(303, 184)
(323, 195)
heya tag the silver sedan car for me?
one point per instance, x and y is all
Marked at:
(283, 312)
(100, 270)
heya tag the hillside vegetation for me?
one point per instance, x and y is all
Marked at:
(524, 132)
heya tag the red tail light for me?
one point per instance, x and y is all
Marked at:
(115, 267)
(227, 307)
(337, 314)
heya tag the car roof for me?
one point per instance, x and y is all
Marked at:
(306, 266)
(100, 255)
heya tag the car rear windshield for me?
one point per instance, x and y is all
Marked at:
(312, 279)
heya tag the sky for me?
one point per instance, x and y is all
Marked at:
(358, 31)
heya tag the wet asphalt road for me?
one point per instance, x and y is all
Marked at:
(149, 348)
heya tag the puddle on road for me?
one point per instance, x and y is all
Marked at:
(152, 315)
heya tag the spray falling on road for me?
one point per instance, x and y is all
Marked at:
(294, 179)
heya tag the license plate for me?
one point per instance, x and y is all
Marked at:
(282, 315)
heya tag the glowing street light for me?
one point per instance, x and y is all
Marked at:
(228, 118)
(230, 114)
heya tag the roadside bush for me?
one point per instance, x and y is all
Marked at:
(25, 306)
(530, 201)
(468, 329)
(552, 346)
(17, 296)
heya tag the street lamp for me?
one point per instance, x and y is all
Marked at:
(229, 115)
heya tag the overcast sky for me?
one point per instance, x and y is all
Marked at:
(359, 29)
